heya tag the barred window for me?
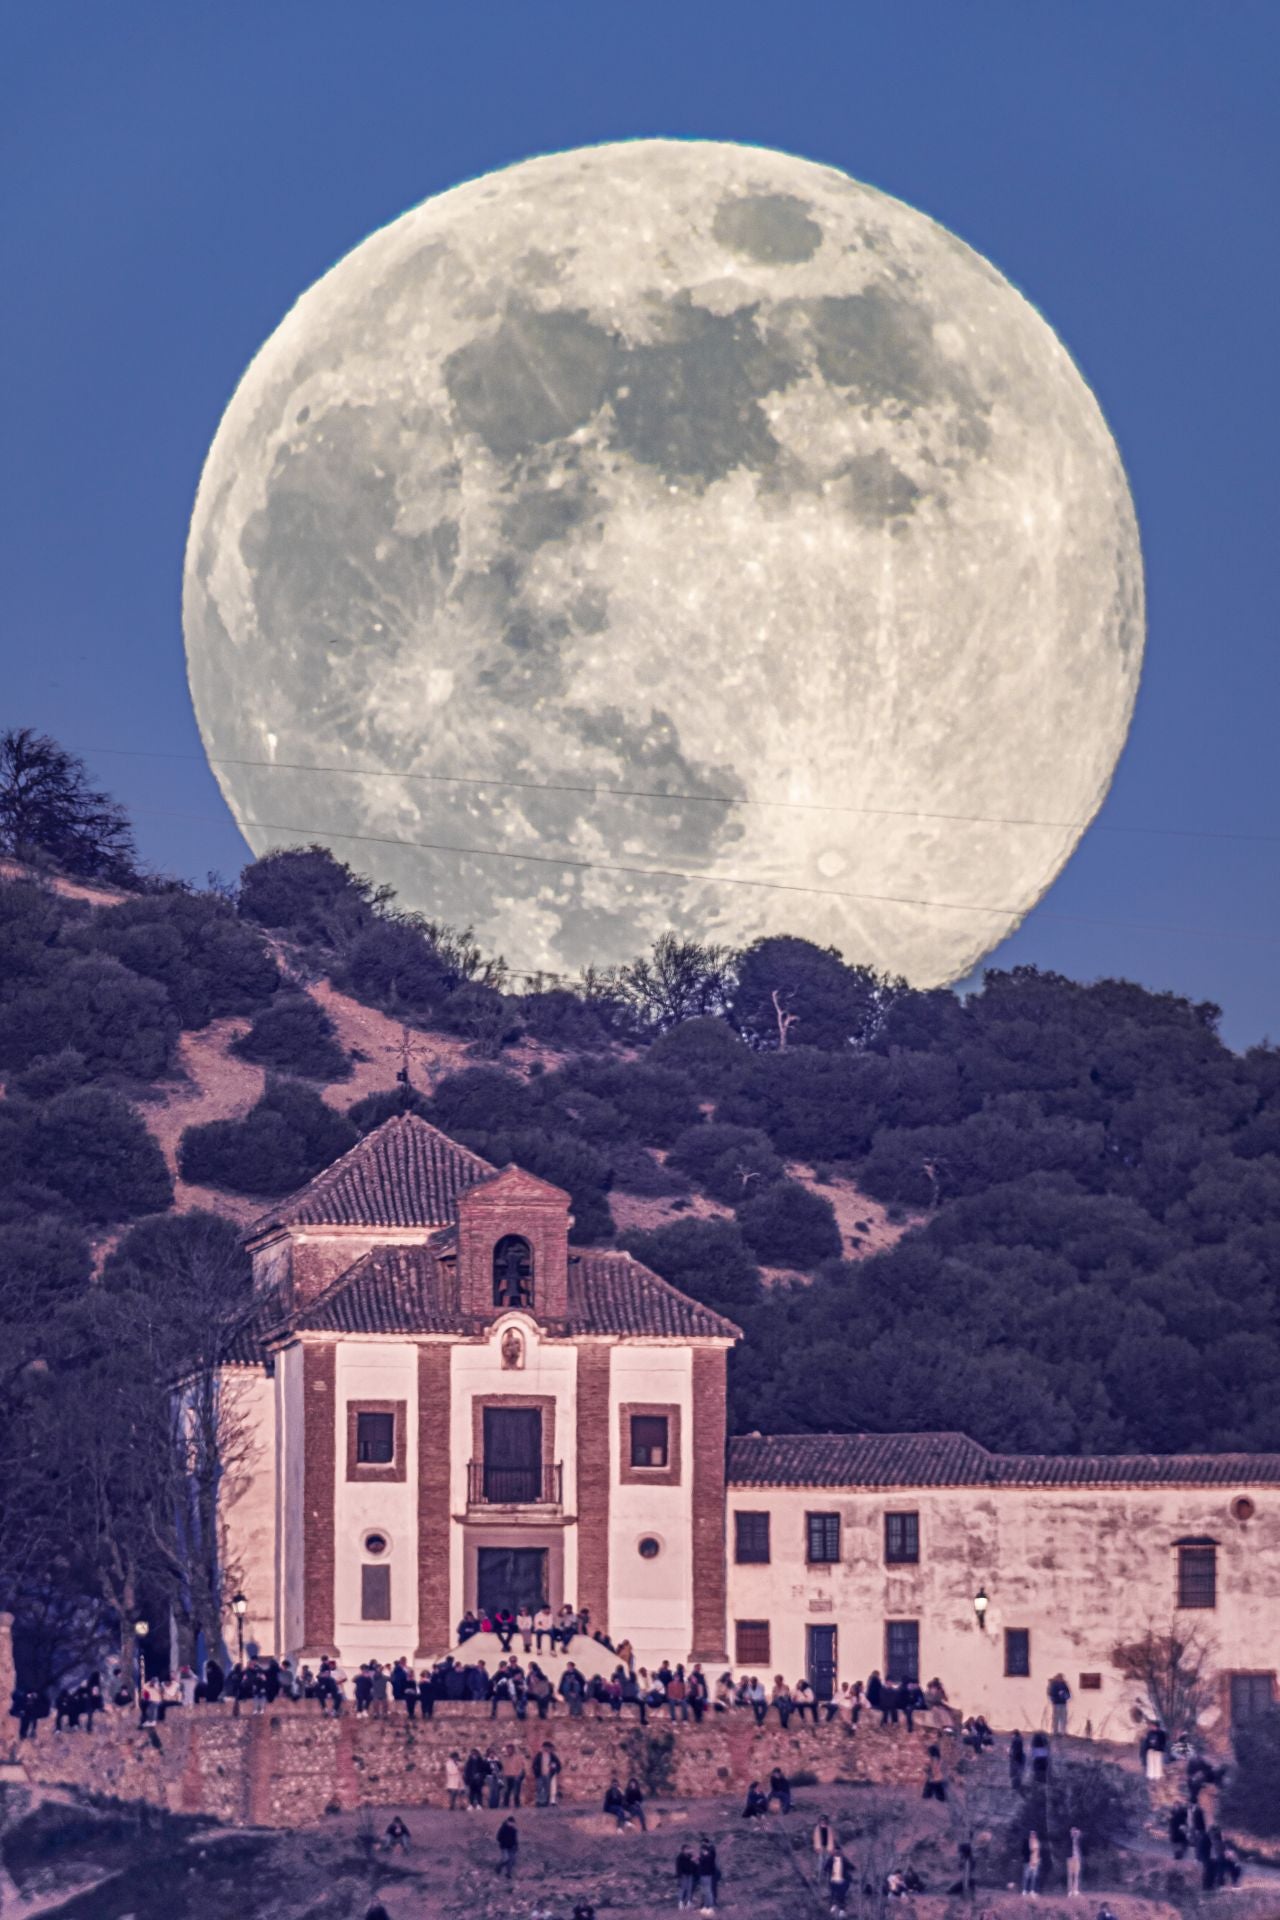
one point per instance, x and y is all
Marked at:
(902, 1650)
(375, 1439)
(901, 1539)
(823, 1544)
(1017, 1653)
(751, 1538)
(751, 1643)
(1198, 1574)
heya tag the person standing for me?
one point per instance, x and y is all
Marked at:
(546, 1772)
(824, 1845)
(708, 1875)
(1059, 1700)
(1178, 1838)
(508, 1847)
(1031, 1865)
(935, 1787)
(453, 1781)
(513, 1773)
(1075, 1863)
(838, 1881)
(1156, 1741)
(1017, 1763)
(686, 1874)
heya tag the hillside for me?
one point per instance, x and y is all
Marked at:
(1076, 1188)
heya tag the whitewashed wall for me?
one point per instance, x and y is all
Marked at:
(651, 1601)
(1080, 1568)
(248, 1504)
(376, 1370)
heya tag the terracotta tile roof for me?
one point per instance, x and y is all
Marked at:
(414, 1290)
(405, 1173)
(954, 1460)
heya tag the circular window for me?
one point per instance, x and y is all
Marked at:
(376, 1543)
(1242, 1508)
(650, 1547)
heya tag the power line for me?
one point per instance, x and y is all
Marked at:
(597, 791)
(713, 879)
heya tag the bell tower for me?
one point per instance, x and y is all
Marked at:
(513, 1247)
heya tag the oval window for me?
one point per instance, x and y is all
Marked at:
(650, 1547)
(376, 1543)
(1243, 1508)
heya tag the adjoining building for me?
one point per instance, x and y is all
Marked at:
(446, 1406)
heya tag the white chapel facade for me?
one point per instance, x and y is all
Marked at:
(447, 1406)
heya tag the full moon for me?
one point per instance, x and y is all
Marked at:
(670, 536)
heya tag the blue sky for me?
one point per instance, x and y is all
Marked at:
(176, 175)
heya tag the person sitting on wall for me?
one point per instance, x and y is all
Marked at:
(467, 1626)
(544, 1624)
(977, 1734)
(757, 1802)
(805, 1700)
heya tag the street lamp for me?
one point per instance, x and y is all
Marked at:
(141, 1628)
(239, 1606)
(980, 1605)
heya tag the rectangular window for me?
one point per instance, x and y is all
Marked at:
(823, 1546)
(375, 1593)
(649, 1440)
(1198, 1576)
(751, 1643)
(1090, 1683)
(1252, 1695)
(375, 1439)
(901, 1539)
(751, 1539)
(902, 1650)
(1017, 1653)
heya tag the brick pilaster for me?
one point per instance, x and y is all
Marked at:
(319, 1491)
(710, 1596)
(593, 1484)
(435, 1628)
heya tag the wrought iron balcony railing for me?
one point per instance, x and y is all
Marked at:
(493, 1486)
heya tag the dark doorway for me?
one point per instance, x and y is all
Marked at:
(512, 1454)
(511, 1577)
(820, 1660)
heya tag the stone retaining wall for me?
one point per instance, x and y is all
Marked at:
(291, 1766)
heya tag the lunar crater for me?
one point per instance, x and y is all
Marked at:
(689, 470)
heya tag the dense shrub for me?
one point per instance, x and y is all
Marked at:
(829, 1004)
(51, 1074)
(481, 1015)
(91, 1147)
(207, 960)
(484, 1100)
(787, 1226)
(706, 1051)
(384, 1104)
(636, 1170)
(284, 1141)
(730, 1163)
(190, 1261)
(119, 1023)
(392, 964)
(43, 1260)
(563, 1020)
(294, 1035)
(708, 1259)
(812, 1105)
(653, 1103)
(306, 893)
(564, 1162)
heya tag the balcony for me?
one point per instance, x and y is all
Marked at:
(536, 1486)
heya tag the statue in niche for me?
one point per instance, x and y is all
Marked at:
(513, 1272)
(512, 1349)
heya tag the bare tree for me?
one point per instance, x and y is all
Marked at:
(1174, 1676)
(785, 1019)
(50, 813)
